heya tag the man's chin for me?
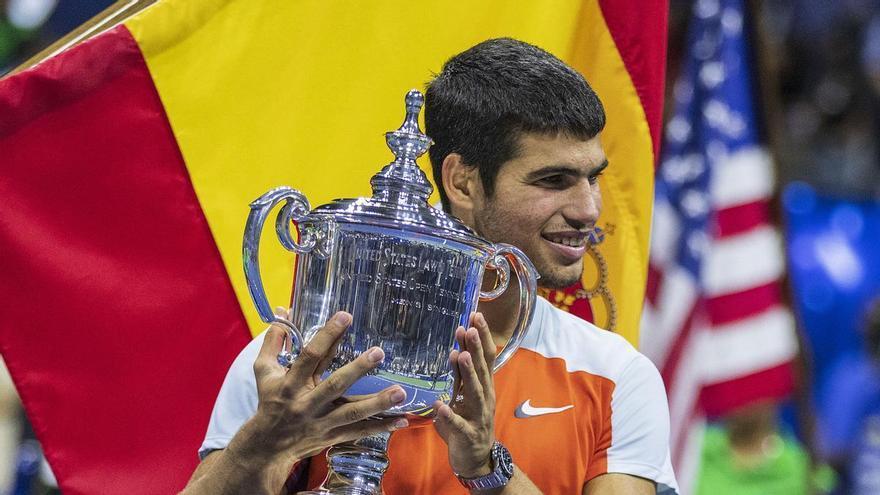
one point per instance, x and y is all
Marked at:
(560, 279)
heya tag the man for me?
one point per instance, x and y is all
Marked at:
(517, 157)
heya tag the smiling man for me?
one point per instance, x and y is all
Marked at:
(517, 157)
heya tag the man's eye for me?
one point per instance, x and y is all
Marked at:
(554, 181)
(595, 178)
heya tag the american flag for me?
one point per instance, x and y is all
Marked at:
(714, 322)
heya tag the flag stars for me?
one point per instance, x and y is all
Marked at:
(716, 151)
(678, 129)
(695, 203)
(732, 21)
(679, 170)
(697, 243)
(707, 8)
(712, 74)
(720, 117)
(683, 91)
(706, 47)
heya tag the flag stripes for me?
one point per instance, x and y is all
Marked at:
(714, 321)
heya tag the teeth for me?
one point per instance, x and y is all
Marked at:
(569, 241)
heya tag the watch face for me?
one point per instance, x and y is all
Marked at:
(504, 460)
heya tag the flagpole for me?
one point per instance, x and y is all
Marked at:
(106, 19)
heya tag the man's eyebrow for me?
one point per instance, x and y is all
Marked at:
(602, 166)
(563, 170)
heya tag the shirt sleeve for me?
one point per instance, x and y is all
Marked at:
(640, 426)
(237, 401)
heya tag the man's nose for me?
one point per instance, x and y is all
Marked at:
(582, 207)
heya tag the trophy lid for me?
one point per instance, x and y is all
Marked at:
(401, 189)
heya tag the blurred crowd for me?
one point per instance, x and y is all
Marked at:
(819, 78)
(820, 85)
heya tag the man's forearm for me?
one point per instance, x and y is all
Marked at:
(240, 468)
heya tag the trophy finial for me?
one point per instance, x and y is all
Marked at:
(407, 143)
(414, 102)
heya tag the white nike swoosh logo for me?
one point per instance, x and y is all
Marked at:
(526, 410)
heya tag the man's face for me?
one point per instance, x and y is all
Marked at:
(546, 199)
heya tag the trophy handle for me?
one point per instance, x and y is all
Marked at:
(295, 210)
(528, 285)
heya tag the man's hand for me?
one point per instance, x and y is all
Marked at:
(298, 413)
(468, 427)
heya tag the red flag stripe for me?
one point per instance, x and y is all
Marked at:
(638, 44)
(136, 384)
(768, 384)
(678, 443)
(676, 351)
(728, 308)
(742, 218)
(655, 279)
(750, 344)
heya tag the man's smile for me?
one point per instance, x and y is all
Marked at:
(571, 245)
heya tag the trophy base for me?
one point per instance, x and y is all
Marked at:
(355, 468)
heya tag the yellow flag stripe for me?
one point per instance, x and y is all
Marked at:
(627, 184)
(275, 92)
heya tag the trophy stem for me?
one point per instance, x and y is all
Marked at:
(355, 468)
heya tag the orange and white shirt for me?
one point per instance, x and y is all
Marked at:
(574, 402)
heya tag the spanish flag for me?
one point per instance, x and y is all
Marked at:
(128, 160)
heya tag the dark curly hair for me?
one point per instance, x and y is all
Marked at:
(487, 95)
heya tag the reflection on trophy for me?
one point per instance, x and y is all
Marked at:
(408, 273)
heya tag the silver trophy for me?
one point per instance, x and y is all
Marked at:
(408, 273)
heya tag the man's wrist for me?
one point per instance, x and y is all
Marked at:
(500, 471)
(481, 470)
(253, 444)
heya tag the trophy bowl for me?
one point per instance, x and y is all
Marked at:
(408, 273)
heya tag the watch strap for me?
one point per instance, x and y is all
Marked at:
(502, 471)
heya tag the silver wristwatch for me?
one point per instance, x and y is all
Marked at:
(502, 471)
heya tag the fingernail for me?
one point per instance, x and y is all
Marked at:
(400, 423)
(480, 320)
(342, 318)
(375, 355)
(466, 357)
(397, 395)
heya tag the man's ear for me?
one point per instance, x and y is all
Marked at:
(462, 185)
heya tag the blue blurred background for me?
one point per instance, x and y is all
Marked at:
(834, 262)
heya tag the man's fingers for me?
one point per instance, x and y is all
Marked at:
(311, 355)
(340, 380)
(460, 338)
(267, 359)
(354, 411)
(366, 428)
(479, 322)
(474, 398)
(456, 373)
(475, 346)
(447, 422)
(328, 358)
(453, 360)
